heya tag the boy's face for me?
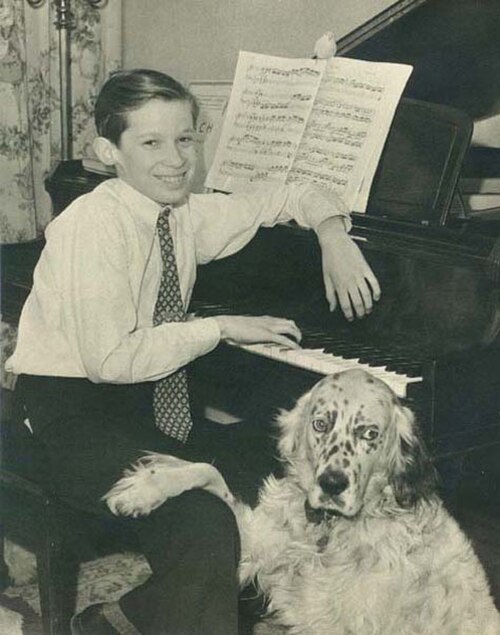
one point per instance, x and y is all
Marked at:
(157, 151)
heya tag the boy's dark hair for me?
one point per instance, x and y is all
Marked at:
(128, 90)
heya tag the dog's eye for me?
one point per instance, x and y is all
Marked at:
(319, 425)
(368, 434)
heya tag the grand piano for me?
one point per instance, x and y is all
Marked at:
(434, 335)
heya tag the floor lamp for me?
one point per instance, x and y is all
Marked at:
(64, 24)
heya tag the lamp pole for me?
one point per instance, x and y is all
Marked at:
(64, 22)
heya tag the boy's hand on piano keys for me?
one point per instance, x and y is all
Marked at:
(242, 329)
(349, 280)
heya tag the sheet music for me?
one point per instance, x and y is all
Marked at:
(348, 126)
(395, 77)
(307, 120)
(270, 103)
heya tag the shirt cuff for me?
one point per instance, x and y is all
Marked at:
(317, 204)
(208, 331)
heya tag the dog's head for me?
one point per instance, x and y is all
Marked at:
(348, 439)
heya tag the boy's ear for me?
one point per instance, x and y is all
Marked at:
(105, 150)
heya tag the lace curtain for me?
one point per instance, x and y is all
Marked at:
(29, 101)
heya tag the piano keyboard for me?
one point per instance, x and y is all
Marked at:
(317, 360)
(341, 353)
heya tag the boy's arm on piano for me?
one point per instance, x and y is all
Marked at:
(348, 278)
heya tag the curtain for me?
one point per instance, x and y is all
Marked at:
(29, 101)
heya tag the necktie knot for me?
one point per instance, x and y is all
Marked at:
(165, 211)
(163, 223)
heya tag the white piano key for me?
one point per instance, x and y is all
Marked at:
(318, 361)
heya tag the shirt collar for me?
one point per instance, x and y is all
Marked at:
(141, 206)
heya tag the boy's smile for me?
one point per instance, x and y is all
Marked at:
(156, 154)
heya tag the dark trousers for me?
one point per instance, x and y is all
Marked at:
(91, 432)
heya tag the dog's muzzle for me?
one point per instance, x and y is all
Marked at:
(320, 514)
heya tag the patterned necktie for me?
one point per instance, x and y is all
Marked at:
(170, 396)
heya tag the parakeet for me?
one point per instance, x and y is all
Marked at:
(325, 47)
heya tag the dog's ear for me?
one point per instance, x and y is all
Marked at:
(290, 423)
(411, 472)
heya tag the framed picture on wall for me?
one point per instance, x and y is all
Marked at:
(212, 97)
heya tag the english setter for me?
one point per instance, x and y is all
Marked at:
(354, 540)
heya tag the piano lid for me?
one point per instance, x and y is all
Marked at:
(454, 46)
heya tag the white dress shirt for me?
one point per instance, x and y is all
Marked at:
(90, 311)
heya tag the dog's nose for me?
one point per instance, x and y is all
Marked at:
(333, 482)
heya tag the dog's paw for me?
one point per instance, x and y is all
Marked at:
(131, 497)
(140, 490)
(157, 477)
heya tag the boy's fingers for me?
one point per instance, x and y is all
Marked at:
(366, 295)
(284, 327)
(330, 293)
(332, 302)
(345, 303)
(359, 303)
(290, 328)
(282, 340)
(375, 286)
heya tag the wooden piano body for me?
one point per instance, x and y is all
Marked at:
(438, 319)
(439, 316)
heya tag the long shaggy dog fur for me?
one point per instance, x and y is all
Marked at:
(354, 540)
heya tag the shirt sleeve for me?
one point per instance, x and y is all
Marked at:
(99, 308)
(224, 223)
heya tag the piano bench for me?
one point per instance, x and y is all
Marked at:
(26, 502)
(34, 517)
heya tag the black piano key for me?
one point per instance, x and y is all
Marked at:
(378, 358)
(351, 349)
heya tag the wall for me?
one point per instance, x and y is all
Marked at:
(200, 39)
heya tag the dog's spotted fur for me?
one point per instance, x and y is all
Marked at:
(354, 540)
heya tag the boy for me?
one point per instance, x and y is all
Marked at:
(103, 339)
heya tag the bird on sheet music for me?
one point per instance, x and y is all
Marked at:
(325, 46)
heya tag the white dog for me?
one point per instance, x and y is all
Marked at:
(353, 540)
